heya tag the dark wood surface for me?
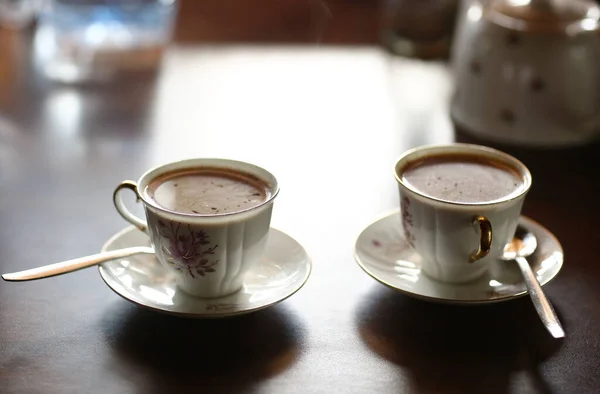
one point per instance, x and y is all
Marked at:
(279, 21)
(329, 122)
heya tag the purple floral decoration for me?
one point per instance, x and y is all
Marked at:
(407, 221)
(187, 249)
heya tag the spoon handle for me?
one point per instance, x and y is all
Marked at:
(75, 264)
(540, 302)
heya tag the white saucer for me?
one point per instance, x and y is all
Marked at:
(382, 252)
(282, 271)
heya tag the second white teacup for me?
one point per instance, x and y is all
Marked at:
(460, 206)
(208, 220)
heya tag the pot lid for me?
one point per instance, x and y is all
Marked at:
(571, 16)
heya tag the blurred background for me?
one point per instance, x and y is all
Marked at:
(347, 22)
(515, 72)
(88, 74)
(96, 40)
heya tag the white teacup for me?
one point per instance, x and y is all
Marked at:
(458, 240)
(209, 254)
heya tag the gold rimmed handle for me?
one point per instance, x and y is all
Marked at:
(123, 211)
(485, 238)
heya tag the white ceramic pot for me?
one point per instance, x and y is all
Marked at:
(527, 72)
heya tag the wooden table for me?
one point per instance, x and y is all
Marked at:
(330, 122)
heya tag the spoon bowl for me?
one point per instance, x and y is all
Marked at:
(523, 244)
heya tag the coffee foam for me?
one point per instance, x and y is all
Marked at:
(207, 191)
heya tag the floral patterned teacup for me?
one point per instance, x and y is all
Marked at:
(456, 239)
(208, 254)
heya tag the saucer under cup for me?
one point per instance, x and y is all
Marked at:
(282, 270)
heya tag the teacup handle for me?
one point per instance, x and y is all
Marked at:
(123, 211)
(485, 238)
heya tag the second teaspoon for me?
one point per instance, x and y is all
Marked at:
(64, 267)
(523, 245)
